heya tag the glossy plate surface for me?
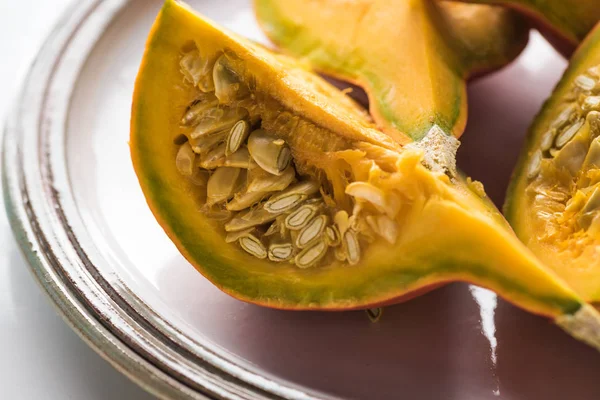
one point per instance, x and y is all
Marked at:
(81, 219)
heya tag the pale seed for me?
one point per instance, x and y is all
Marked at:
(215, 158)
(204, 144)
(196, 110)
(375, 196)
(311, 255)
(332, 236)
(374, 314)
(312, 231)
(535, 164)
(217, 120)
(301, 217)
(351, 247)
(564, 117)
(262, 181)
(237, 136)
(591, 103)
(571, 156)
(253, 245)
(239, 159)
(228, 86)
(593, 156)
(271, 154)
(185, 161)
(249, 219)
(568, 134)
(235, 236)
(199, 177)
(279, 252)
(245, 200)
(547, 140)
(585, 82)
(191, 67)
(291, 197)
(223, 184)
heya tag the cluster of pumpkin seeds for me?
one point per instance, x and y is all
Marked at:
(566, 166)
(249, 182)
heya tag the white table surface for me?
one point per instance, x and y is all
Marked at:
(41, 357)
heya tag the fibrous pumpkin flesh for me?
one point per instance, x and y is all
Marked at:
(282, 192)
(554, 198)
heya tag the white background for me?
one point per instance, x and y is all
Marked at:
(40, 356)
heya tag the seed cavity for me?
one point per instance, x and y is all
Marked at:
(251, 176)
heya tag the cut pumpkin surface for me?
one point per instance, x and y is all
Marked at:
(412, 56)
(281, 192)
(554, 197)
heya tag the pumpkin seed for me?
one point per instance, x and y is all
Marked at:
(312, 231)
(245, 200)
(311, 255)
(592, 158)
(185, 161)
(253, 245)
(564, 117)
(374, 314)
(235, 236)
(197, 108)
(585, 83)
(301, 217)
(217, 213)
(593, 202)
(237, 136)
(351, 247)
(332, 236)
(239, 159)
(223, 184)
(279, 252)
(204, 144)
(571, 156)
(191, 67)
(535, 164)
(199, 177)
(271, 154)
(591, 103)
(568, 134)
(215, 158)
(249, 219)
(217, 120)
(228, 86)
(291, 197)
(547, 140)
(262, 181)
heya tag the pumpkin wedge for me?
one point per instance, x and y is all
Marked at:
(282, 192)
(554, 197)
(565, 22)
(412, 56)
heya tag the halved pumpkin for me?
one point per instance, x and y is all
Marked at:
(348, 219)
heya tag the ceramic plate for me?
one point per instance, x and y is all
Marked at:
(80, 217)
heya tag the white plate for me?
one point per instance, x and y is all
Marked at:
(80, 216)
